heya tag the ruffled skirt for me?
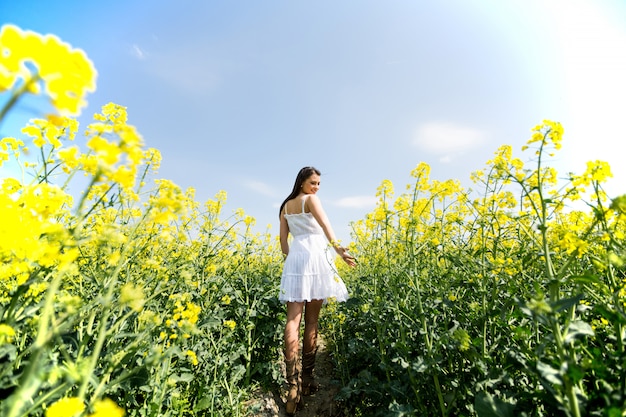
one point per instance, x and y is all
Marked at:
(309, 272)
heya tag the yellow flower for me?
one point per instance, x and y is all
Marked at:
(10, 144)
(114, 258)
(166, 203)
(124, 176)
(539, 306)
(11, 185)
(462, 338)
(36, 289)
(153, 158)
(226, 299)
(106, 408)
(385, 190)
(6, 334)
(108, 153)
(132, 296)
(598, 171)
(231, 324)
(66, 74)
(66, 407)
(69, 156)
(191, 356)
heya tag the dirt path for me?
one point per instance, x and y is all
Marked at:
(320, 404)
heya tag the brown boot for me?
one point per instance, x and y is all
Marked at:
(309, 386)
(293, 382)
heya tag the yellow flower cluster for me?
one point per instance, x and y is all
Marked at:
(66, 407)
(133, 296)
(10, 147)
(185, 315)
(117, 159)
(462, 338)
(31, 235)
(547, 133)
(51, 131)
(121, 260)
(191, 356)
(73, 406)
(505, 166)
(597, 171)
(7, 334)
(168, 204)
(66, 73)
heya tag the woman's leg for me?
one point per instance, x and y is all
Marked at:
(292, 330)
(292, 346)
(309, 345)
(311, 318)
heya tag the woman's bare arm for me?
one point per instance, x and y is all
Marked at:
(315, 207)
(284, 234)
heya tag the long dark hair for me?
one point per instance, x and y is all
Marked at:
(302, 176)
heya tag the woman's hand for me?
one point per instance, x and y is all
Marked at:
(347, 257)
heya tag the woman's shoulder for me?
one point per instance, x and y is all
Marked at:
(312, 203)
(312, 198)
(293, 206)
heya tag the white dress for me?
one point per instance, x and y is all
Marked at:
(309, 271)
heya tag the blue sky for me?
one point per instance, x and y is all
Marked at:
(239, 95)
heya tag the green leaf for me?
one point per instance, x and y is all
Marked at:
(578, 328)
(551, 374)
(488, 406)
(8, 353)
(586, 278)
(184, 377)
(566, 303)
(204, 403)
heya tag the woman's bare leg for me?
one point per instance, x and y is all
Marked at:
(309, 346)
(292, 330)
(292, 346)
(311, 318)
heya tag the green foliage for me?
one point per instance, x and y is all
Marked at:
(141, 297)
(501, 305)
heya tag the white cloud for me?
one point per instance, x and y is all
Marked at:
(445, 138)
(362, 201)
(260, 188)
(138, 52)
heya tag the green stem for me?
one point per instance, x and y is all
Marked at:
(555, 291)
(442, 404)
(16, 96)
(102, 334)
(31, 383)
(428, 343)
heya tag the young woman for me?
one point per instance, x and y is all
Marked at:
(308, 278)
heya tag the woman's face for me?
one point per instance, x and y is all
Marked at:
(311, 185)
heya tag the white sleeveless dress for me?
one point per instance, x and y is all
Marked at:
(309, 271)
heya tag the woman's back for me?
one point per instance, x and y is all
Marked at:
(297, 205)
(301, 222)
